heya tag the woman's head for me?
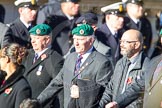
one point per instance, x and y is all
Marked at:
(13, 53)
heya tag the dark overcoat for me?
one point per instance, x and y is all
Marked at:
(20, 33)
(104, 35)
(51, 14)
(96, 68)
(14, 90)
(42, 71)
(5, 35)
(144, 27)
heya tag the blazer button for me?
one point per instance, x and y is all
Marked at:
(149, 93)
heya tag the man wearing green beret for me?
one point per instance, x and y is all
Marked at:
(42, 63)
(85, 65)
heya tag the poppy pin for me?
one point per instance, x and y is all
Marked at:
(129, 80)
(8, 91)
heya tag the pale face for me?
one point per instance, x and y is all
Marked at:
(128, 45)
(116, 22)
(82, 44)
(27, 14)
(135, 10)
(3, 62)
(39, 43)
(73, 8)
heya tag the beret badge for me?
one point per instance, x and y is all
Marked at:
(38, 31)
(81, 31)
(120, 8)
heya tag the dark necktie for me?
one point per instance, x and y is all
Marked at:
(35, 58)
(138, 24)
(116, 37)
(157, 72)
(126, 72)
(77, 66)
(29, 27)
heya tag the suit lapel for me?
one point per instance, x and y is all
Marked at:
(87, 62)
(152, 74)
(40, 60)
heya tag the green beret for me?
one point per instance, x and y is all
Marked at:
(40, 29)
(83, 30)
(161, 32)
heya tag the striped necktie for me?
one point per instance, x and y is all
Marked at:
(35, 58)
(77, 66)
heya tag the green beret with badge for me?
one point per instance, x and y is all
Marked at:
(40, 30)
(83, 30)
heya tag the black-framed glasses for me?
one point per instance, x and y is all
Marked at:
(125, 42)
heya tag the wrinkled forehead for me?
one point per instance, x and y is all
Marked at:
(79, 37)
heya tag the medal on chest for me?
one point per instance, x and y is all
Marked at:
(39, 71)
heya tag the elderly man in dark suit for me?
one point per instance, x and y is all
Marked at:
(42, 64)
(109, 33)
(135, 19)
(85, 64)
(19, 28)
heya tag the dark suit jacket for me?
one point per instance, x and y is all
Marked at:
(18, 90)
(96, 68)
(104, 35)
(52, 15)
(89, 94)
(5, 35)
(152, 97)
(20, 33)
(48, 67)
(144, 28)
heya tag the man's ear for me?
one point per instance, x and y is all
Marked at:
(137, 45)
(7, 59)
(20, 10)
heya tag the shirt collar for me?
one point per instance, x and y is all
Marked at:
(69, 17)
(26, 24)
(111, 30)
(85, 55)
(41, 52)
(135, 20)
(133, 60)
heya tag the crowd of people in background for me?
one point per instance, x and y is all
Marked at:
(53, 56)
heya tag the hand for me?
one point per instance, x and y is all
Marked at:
(111, 105)
(74, 91)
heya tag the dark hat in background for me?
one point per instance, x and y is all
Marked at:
(74, 1)
(87, 18)
(26, 3)
(83, 30)
(115, 9)
(138, 2)
(40, 30)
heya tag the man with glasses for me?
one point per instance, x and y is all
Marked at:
(128, 68)
(135, 19)
(27, 10)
